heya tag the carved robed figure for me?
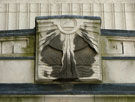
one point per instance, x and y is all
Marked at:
(67, 49)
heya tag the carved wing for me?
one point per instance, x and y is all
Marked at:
(70, 55)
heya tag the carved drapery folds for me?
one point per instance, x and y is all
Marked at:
(68, 49)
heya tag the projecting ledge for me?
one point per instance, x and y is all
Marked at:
(78, 89)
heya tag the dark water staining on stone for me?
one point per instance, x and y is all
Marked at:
(84, 56)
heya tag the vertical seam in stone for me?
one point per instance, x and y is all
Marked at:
(124, 16)
(7, 16)
(49, 9)
(92, 9)
(122, 48)
(1, 47)
(18, 13)
(134, 14)
(113, 15)
(70, 9)
(28, 10)
(39, 9)
(44, 98)
(81, 9)
(103, 18)
(60, 9)
(94, 98)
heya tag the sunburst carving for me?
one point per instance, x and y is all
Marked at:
(68, 49)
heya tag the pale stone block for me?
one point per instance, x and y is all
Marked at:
(129, 7)
(19, 46)
(119, 71)
(7, 47)
(66, 8)
(55, 9)
(68, 1)
(118, 7)
(23, 20)
(129, 48)
(119, 20)
(2, 21)
(130, 21)
(76, 9)
(44, 8)
(32, 19)
(97, 7)
(16, 46)
(115, 98)
(87, 8)
(23, 7)
(34, 7)
(3, 8)
(98, 14)
(69, 98)
(108, 7)
(16, 71)
(12, 7)
(44, 14)
(0, 47)
(87, 14)
(22, 98)
(114, 47)
(108, 20)
(32, 99)
(66, 13)
(12, 24)
(119, 16)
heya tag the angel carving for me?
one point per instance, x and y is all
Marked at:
(69, 46)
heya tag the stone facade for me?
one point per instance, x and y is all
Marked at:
(17, 49)
(114, 15)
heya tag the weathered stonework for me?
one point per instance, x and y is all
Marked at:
(17, 53)
(68, 49)
(118, 46)
(16, 46)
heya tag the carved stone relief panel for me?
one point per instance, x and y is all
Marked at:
(68, 49)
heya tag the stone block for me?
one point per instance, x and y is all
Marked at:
(118, 71)
(69, 98)
(118, 46)
(16, 71)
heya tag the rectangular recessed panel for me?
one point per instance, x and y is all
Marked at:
(16, 46)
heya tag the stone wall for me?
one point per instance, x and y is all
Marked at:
(22, 15)
(115, 14)
(68, 98)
